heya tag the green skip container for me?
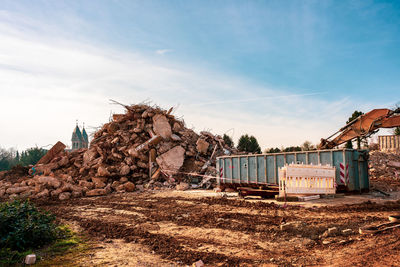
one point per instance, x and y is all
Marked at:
(262, 169)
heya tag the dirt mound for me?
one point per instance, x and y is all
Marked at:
(15, 174)
(145, 148)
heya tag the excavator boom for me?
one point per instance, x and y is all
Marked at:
(363, 126)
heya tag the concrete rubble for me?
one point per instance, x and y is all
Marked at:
(384, 171)
(145, 148)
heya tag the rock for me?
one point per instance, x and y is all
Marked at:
(108, 188)
(177, 127)
(140, 187)
(89, 156)
(99, 182)
(103, 172)
(2, 192)
(326, 242)
(202, 146)
(83, 183)
(44, 193)
(123, 180)
(56, 193)
(76, 193)
(176, 137)
(120, 188)
(292, 225)
(347, 232)
(198, 263)
(64, 196)
(17, 190)
(13, 196)
(129, 187)
(172, 160)
(115, 184)
(333, 231)
(395, 164)
(52, 153)
(96, 192)
(51, 181)
(182, 186)
(63, 162)
(125, 170)
(161, 126)
(25, 194)
(30, 259)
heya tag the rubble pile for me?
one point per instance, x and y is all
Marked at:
(384, 170)
(145, 148)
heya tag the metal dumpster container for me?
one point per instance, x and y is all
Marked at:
(262, 169)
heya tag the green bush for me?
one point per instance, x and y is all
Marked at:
(23, 226)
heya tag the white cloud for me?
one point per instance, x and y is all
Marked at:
(163, 51)
(47, 83)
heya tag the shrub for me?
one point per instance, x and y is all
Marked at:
(23, 226)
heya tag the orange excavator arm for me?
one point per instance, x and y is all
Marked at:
(363, 126)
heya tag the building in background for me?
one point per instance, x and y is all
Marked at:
(79, 139)
(389, 143)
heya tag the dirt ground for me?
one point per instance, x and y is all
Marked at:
(172, 228)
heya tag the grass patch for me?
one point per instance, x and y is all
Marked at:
(64, 251)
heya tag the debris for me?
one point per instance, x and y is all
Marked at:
(96, 192)
(198, 263)
(30, 259)
(129, 187)
(202, 146)
(172, 160)
(52, 153)
(347, 231)
(308, 198)
(143, 149)
(182, 186)
(395, 164)
(161, 126)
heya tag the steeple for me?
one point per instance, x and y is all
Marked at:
(84, 134)
(78, 139)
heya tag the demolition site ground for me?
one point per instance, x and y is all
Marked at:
(170, 228)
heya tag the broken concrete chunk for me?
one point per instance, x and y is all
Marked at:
(347, 231)
(44, 193)
(51, 181)
(182, 186)
(17, 190)
(64, 196)
(176, 137)
(202, 146)
(30, 259)
(125, 170)
(129, 187)
(96, 192)
(89, 155)
(102, 171)
(394, 164)
(172, 160)
(161, 126)
(198, 263)
(52, 153)
(99, 182)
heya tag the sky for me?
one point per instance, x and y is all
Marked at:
(283, 71)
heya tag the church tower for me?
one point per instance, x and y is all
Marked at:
(79, 139)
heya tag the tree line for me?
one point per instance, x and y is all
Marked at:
(11, 157)
(250, 144)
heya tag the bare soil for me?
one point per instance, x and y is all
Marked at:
(169, 229)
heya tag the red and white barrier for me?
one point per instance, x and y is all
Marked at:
(344, 173)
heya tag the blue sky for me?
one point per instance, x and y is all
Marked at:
(284, 71)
